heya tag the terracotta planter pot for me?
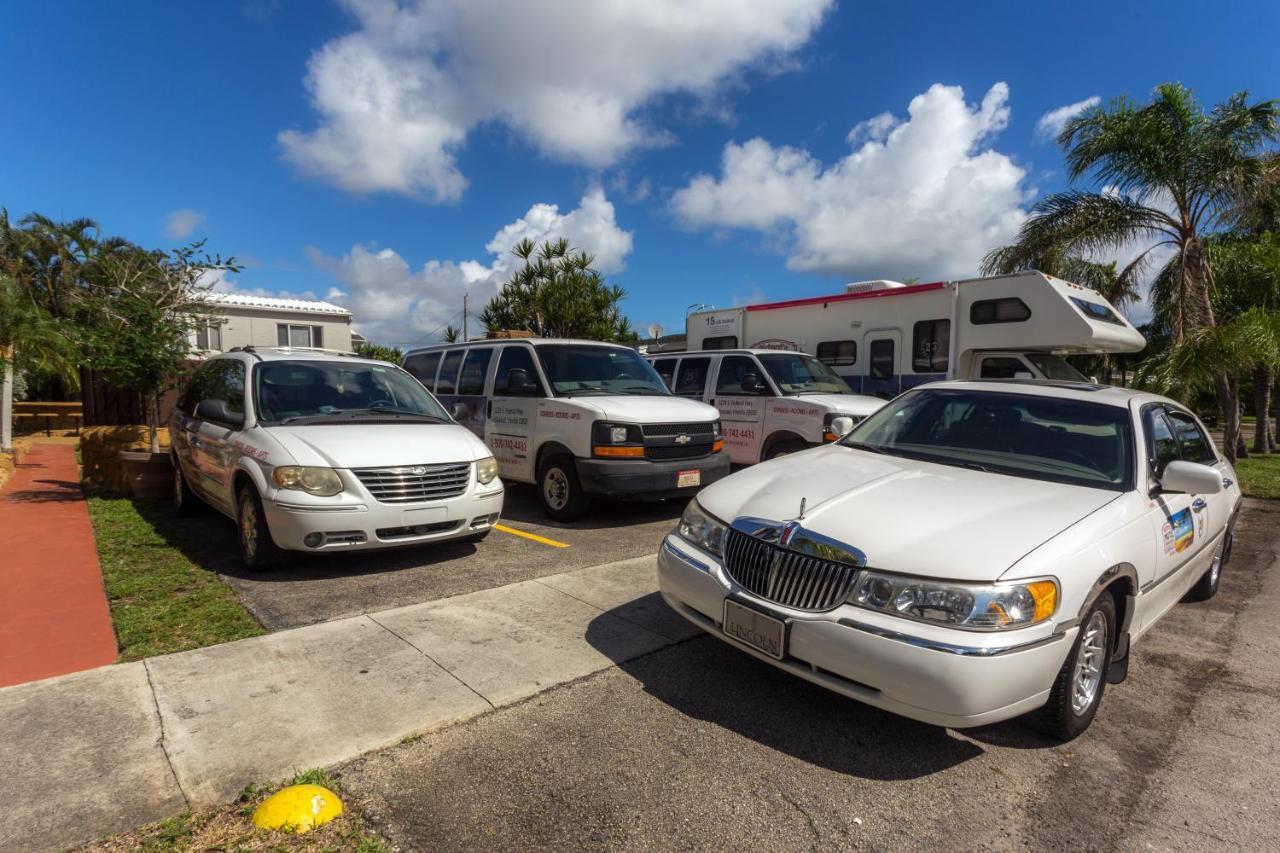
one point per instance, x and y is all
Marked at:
(150, 475)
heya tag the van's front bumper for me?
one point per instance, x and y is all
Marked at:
(641, 478)
(353, 521)
(933, 674)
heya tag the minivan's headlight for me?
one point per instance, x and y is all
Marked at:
(698, 528)
(486, 469)
(981, 607)
(314, 481)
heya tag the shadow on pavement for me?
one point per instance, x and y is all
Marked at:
(68, 491)
(522, 507)
(708, 680)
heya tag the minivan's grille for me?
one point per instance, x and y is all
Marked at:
(707, 428)
(784, 576)
(413, 483)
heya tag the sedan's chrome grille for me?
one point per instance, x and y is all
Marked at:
(414, 483)
(786, 577)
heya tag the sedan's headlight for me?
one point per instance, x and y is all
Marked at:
(983, 607)
(313, 481)
(700, 529)
(486, 469)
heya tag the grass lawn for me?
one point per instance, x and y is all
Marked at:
(228, 828)
(161, 601)
(1260, 476)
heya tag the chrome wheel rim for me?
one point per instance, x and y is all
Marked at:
(555, 488)
(1090, 664)
(249, 528)
(1215, 570)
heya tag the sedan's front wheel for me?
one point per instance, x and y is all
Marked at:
(1077, 691)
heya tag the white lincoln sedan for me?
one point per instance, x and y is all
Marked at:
(972, 552)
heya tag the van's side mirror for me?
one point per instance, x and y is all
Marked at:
(460, 410)
(1190, 478)
(219, 412)
(518, 382)
(841, 426)
(751, 383)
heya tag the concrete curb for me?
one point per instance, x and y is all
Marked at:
(106, 750)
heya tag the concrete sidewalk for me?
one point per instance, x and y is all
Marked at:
(54, 617)
(103, 751)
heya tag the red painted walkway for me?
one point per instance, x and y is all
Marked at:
(53, 610)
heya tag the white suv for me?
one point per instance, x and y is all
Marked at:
(322, 452)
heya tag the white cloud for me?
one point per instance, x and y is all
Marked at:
(391, 303)
(1052, 122)
(922, 197)
(398, 96)
(179, 224)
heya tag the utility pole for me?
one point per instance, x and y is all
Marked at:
(465, 294)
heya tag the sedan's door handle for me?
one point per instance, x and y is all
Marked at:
(1227, 482)
(1198, 504)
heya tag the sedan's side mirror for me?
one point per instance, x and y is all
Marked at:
(842, 426)
(219, 412)
(751, 383)
(1190, 478)
(518, 382)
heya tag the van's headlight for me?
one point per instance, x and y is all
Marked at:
(982, 607)
(698, 528)
(313, 481)
(486, 469)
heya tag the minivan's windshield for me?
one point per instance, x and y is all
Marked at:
(577, 369)
(802, 374)
(1023, 435)
(340, 391)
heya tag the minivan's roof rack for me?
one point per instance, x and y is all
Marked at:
(322, 350)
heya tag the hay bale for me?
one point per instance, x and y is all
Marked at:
(100, 447)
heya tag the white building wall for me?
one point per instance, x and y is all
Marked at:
(243, 326)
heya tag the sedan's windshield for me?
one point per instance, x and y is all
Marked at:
(802, 374)
(575, 369)
(1045, 438)
(286, 391)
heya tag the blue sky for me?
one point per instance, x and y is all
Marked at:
(384, 156)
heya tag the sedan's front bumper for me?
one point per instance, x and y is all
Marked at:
(936, 675)
(359, 522)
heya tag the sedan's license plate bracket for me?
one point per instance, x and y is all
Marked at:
(753, 628)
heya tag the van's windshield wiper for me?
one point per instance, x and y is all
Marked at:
(397, 410)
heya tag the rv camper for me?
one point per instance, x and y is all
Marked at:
(883, 337)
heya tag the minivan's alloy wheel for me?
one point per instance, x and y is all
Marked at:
(1077, 690)
(560, 491)
(257, 549)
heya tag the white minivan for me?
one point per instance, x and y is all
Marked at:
(576, 418)
(772, 403)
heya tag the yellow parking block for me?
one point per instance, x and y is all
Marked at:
(297, 808)
(533, 536)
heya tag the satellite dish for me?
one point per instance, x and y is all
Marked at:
(655, 331)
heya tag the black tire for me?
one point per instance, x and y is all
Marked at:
(186, 503)
(1207, 587)
(785, 448)
(560, 491)
(258, 550)
(1063, 717)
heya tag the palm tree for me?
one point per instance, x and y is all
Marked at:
(1166, 173)
(451, 334)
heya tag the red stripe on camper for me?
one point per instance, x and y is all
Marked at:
(845, 297)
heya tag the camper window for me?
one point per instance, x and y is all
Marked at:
(931, 342)
(424, 367)
(720, 342)
(1002, 367)
(881, 359)
(1008, 310)
(1097, 311)
(838, 352)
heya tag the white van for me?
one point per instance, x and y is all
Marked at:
(770, 402)
(576, 418)
(883, 337)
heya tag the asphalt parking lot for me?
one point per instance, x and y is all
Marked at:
(310, 589)
(697, 746)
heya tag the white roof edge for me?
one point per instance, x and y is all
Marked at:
(275, 303)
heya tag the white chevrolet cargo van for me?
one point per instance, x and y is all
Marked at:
(576, 418)
(771, 403)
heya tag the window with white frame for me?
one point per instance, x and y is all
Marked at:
(209, 335)
(294, 335)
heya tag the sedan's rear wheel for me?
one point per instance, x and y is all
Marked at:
(1077, 691)
(1207, 587)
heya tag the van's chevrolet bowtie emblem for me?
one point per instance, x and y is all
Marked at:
(683, 439)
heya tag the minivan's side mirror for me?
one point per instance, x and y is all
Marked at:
(751, 383)
(841, 426)
(219, 412)
(1190, 478)
(518, 382)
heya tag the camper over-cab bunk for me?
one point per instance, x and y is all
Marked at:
(883, 337)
